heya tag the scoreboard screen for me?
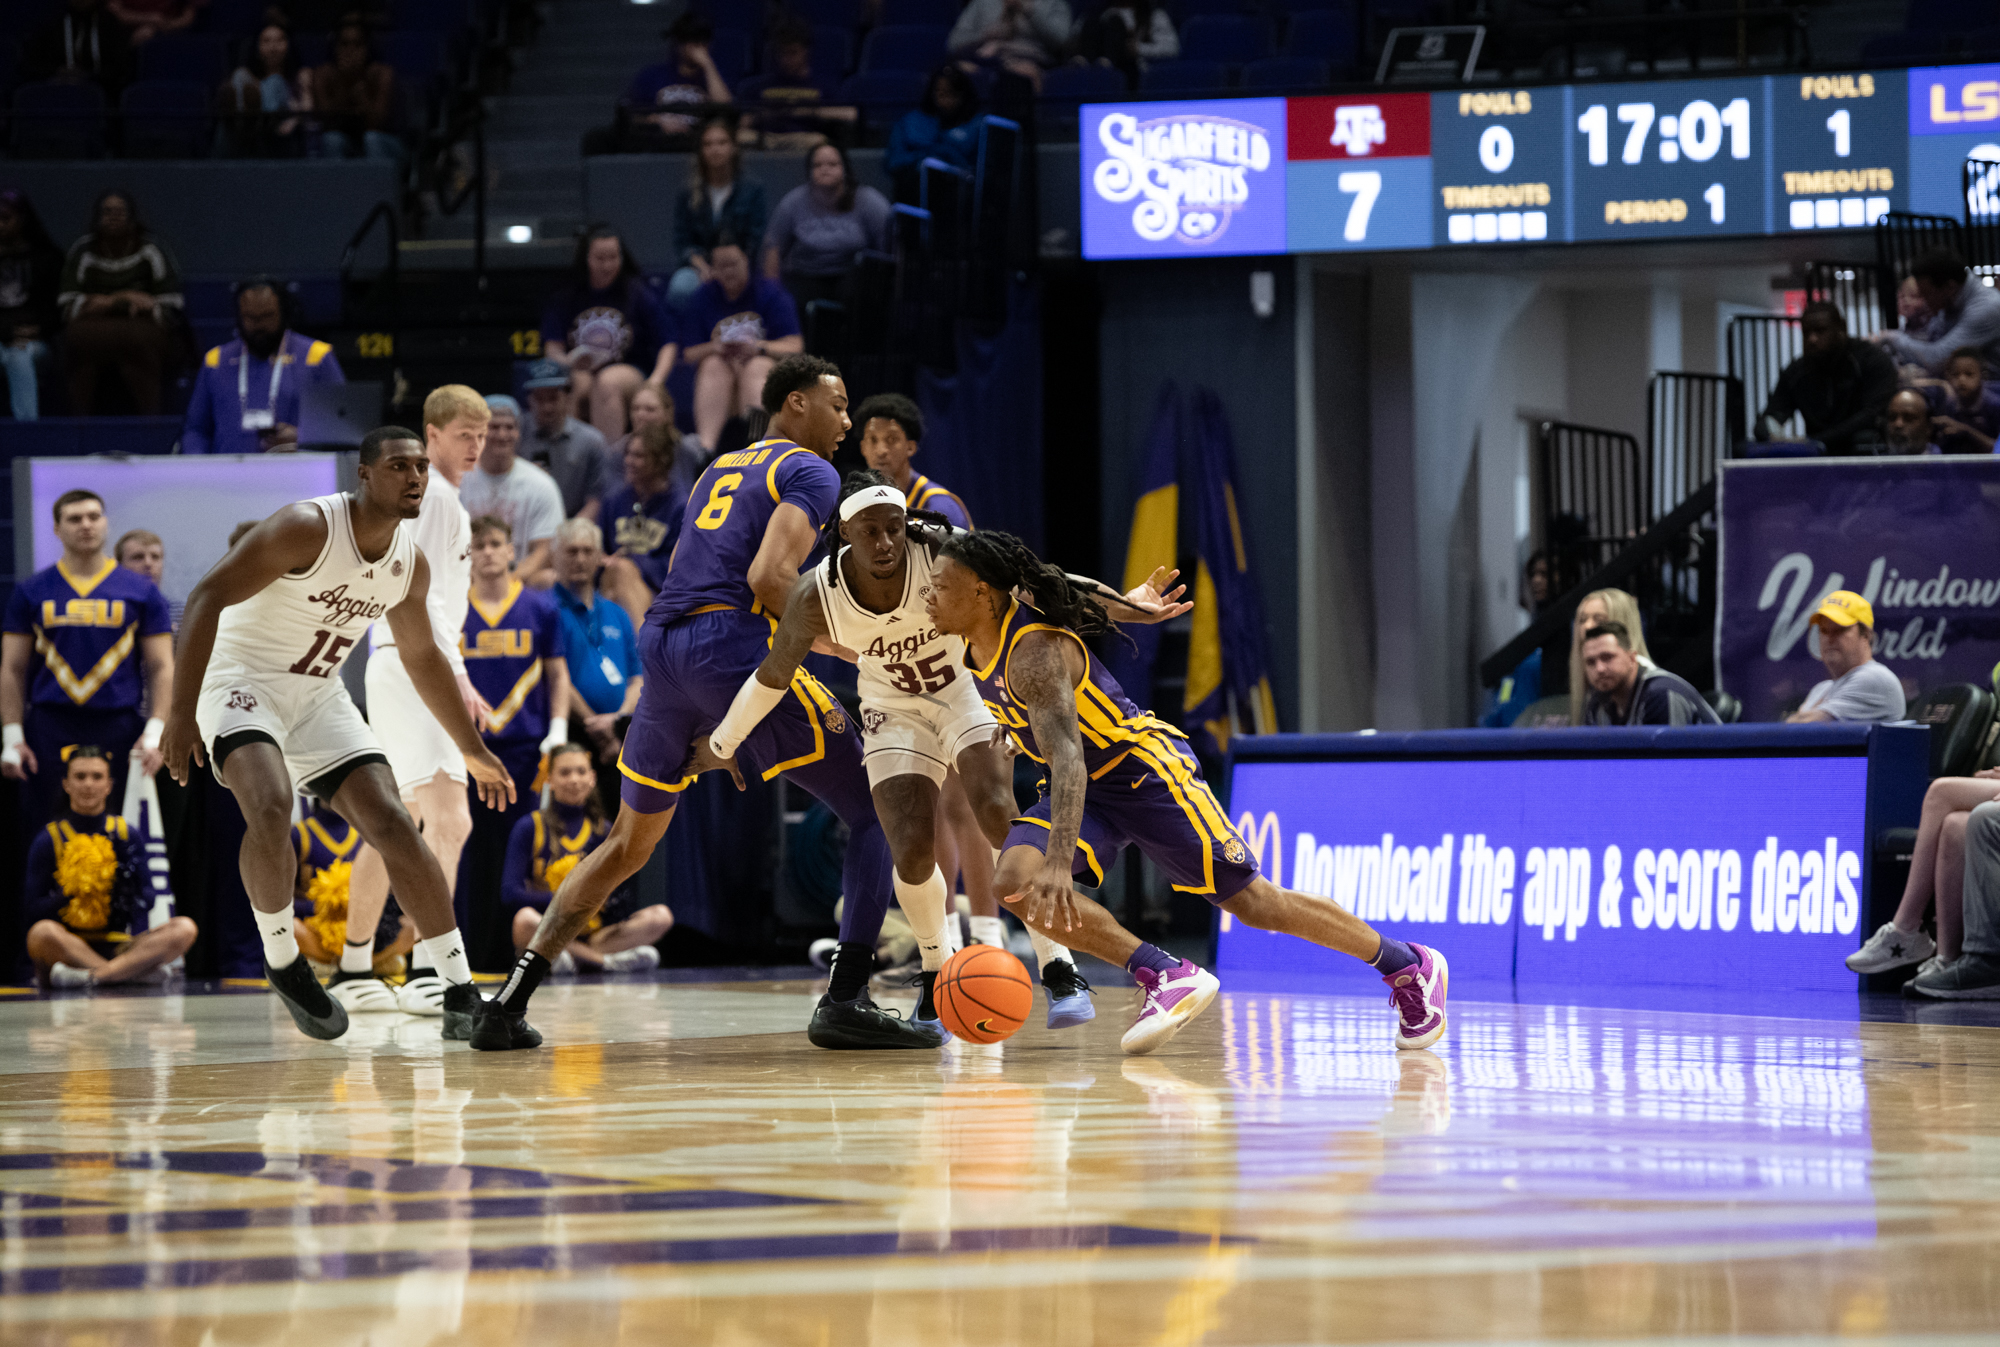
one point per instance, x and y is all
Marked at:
(1704, 158)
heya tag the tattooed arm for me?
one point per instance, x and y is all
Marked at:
(1042, 675)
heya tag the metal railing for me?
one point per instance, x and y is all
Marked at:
(1855, 288)
(1693, 422)
(441, 161)
(385, 213)
(1592, 489)
(1760, 346)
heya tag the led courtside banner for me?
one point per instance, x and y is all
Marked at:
(1704, 158)
(1919, 538)
(1736, 862)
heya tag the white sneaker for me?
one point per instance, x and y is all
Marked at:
(821, 953)
(564, 966)
(422, 994)
(644, 959)
(363, 994)
(1890, 948)
(62, 975)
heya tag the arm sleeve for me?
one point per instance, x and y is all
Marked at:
(39, 899)
(515, 890)
(1978, 325)
(158, 619)
(198, 430)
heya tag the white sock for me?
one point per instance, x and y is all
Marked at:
(357, 957)
(421, 960)
(923, 907)
(1047, 951)
(989, 931)
(280, 945)
(447, 954)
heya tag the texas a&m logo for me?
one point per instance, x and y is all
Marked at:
(239, 700)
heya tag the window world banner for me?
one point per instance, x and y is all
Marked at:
(1742, 869)
(1184, 179)
(1918, 538)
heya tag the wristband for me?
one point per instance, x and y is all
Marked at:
(150, 738)
(558, 734)
(11, 740)
(753, 702)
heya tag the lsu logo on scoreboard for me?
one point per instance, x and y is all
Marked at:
(1953, 99)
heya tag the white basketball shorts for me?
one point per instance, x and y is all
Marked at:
(313, 721)
(922, 736)
(417, 745)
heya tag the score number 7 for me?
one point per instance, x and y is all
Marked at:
(1366, 185)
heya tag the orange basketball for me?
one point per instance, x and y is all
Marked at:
(983, 994)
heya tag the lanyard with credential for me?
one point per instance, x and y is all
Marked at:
(243, 379)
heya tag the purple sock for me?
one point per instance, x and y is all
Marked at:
(1153, 957)
(1393, 957)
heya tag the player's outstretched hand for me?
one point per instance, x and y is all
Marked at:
(1003, 743)
(1153, 602)
(1048, 902)
(703, 759)
(496, 783)
(177, 741)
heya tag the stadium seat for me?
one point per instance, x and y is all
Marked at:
(1321, 35)
(1233, 39)
(56, 120)
(730, 50)
(1082, 84)
(1183, 77)
(1286, 72)
(165, 119)
(444, 17)
(201, 57)
(884, 95)
(415, 57)
(1959, 715)
(234, 18)
(832, 50)
(904, 47)
(831, 13)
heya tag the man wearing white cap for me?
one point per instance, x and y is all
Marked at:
(1858, 689)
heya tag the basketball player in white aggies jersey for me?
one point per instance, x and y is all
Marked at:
(262, 641)
(919, 715)
(430, 771)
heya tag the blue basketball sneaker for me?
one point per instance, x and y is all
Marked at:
(926, 1014)
(1069, 995)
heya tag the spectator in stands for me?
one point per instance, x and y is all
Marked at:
(1022, 36)
(85, 899)
(1906, 425)
(607, 327)
(121, 301)
(598, 641)
(822, 225)
(83, 42)
(1965, 411)
(572, 452)
(1858, 688)
(1968, 312)
(256, 97)
(1916, 317)
(944, 127)
(516, 492)
(30, 276)
(719, 200)
(1839, 386)
(655, 406)
(356, 100)
(1129, 37)
(735, 328)
(146, 19)
(84, 643)
(688, 79)
(1625, 692)
(1599, 608)
(794, 103)
(643, 516)
(1975, 974)
(248, 391)
(1937, 869)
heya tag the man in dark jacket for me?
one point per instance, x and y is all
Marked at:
(1839, 385)
(1625, 692)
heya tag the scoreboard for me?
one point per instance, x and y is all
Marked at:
(1703, 158)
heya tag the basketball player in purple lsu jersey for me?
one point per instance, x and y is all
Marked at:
(753, 518)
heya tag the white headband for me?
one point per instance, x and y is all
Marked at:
(874, 495)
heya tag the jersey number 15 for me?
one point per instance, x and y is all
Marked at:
(319, 662)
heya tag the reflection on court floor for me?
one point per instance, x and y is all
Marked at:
(680, 1166)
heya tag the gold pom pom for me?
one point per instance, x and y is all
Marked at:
(558, 871)
(327, 891)
(86, 865)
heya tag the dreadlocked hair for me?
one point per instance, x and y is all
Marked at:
(1006, 563)
(919, 526)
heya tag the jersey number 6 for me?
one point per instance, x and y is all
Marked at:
(719, 501)
(921, 677)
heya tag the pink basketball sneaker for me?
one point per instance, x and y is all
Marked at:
(1173, 999)
(1418, 994)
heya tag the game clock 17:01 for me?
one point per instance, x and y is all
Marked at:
(1668, 160)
